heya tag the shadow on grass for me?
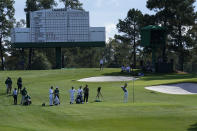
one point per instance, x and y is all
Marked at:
(168, 76)
(2, 94)
(193, 127)
(133, 73)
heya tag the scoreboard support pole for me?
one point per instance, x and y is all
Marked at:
(57, 46)
(58, 52)
(154, 58)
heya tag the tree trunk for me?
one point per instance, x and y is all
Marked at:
(30, 56)
(165, 25)
(181, 61)
(1, 50)
(134, 55)
(63, 61)
(181, 52)
(23, 58)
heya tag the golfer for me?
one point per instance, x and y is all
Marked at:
(98, 93)
(72, 95)
(125, 93)
(51, 96)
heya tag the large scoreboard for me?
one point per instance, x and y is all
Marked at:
(58, 28)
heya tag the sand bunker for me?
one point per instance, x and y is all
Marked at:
(107, 79)
(181, 88)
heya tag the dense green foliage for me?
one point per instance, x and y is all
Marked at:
(73, 4)
(130, 27)
(177, 16)
(6, 23)
(151, 111)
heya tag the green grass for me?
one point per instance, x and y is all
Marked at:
(151, 111)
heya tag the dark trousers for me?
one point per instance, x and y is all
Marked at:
(86, 98)
(57, 96)
(19, 88)
(101, 66)
(15, 99)
(9, 89)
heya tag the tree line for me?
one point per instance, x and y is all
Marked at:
(177, 16)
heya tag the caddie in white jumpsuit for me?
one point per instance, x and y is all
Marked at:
(72, 95)
(51, 96)
(80, 91)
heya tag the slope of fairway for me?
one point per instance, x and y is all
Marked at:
(151, 111)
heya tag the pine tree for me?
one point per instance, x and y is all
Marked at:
(73, 4)
(6, 23)
(130, 27)
(178, 16)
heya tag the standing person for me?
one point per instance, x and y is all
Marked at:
(98, 93)
(56, 94)
(80, 95)
(101, 64)
(72, 95)
(80, 91)
(56, 101)
(86, 93)
(128, 69)
(23, 93)
(10, 85)
(125, 93)
(51, 96)
(6, 84)
(19, 84)
(15, 94)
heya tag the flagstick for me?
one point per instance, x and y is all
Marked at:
(133, 91)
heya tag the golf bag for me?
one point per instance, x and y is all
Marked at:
(79, 99)
(27, 100)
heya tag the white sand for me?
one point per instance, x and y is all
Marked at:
(107, 79)
(181, 88)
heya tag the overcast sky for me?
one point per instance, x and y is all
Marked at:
(102, 12)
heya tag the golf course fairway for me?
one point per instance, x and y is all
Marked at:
(151, 111)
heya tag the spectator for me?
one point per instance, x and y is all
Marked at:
(19, 84)
(86, 93)
(15, 94)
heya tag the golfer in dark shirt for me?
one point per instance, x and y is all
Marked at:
(23, 93)
(19, 84)
(8, 83)
(98, 93)
(86, 93)
(124, 88)
(56, 92)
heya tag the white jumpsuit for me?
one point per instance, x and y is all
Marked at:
(50, 97)
(72, 95)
